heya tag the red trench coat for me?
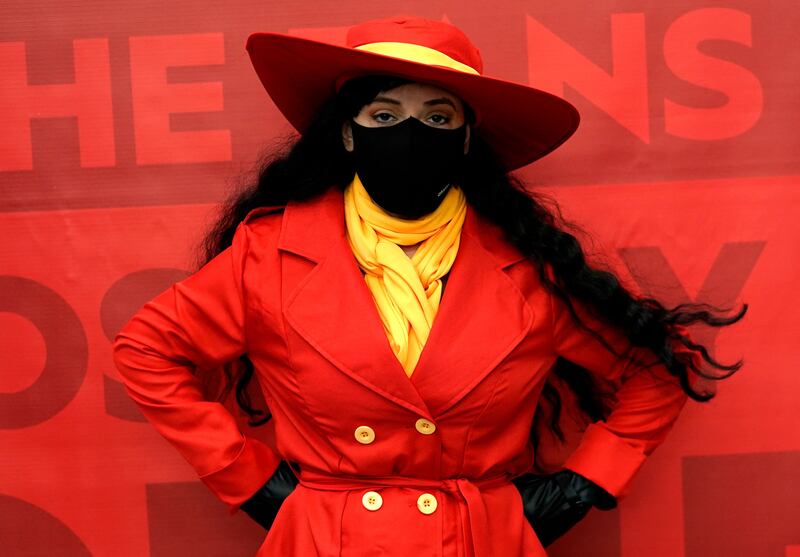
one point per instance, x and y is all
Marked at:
(437, 448)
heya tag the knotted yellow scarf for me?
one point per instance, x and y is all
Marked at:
(406, 290)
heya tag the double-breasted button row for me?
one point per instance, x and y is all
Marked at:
(426, 503)
(366, 435)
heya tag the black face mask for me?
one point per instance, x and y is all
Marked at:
(407, 168)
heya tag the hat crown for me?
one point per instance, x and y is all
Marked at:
(438, 35)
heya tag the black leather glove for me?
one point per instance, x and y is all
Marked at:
(554, 503)
(264, 505)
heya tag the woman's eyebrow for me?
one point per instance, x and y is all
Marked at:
(441, 100)
(386, 100)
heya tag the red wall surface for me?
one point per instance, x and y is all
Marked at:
(122, 124)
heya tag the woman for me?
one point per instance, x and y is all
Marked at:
(406, 307)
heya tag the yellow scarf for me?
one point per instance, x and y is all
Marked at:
(406, 290)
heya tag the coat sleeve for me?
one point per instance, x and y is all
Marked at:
(197, 322)
(647, 401)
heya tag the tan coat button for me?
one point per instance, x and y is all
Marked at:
(365, 434)
(425, 427)
(427, 503)
(372, 500)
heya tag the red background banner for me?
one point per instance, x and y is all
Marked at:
(123, 124)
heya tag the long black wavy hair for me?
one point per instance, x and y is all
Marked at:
(303, 167)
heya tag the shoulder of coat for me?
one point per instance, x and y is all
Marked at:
(260, 212)
(264, 224)
(493, 239)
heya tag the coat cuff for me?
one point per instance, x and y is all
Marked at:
(241, 479)
(605, 459)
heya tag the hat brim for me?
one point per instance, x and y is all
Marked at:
(520, 123)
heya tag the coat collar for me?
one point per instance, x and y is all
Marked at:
(481, 318)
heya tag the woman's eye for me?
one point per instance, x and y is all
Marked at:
(379, 118)
(386, 117)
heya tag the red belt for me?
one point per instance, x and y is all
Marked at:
(476, 520)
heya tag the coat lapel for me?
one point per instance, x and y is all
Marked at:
(481, 318)
(332, 308)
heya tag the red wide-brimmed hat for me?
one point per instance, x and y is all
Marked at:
(520, 123)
